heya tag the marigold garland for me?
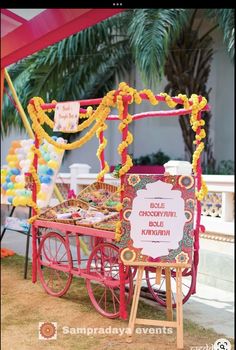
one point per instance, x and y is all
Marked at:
(100, 149)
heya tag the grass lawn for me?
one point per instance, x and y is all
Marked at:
(24, 305)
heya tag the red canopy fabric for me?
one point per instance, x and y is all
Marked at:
(21, 37)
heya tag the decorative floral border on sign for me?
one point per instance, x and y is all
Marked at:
(134, 183)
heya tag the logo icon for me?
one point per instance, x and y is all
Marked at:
(47, 330)
(222, 344)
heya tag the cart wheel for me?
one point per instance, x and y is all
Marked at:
(159, 291)
(54, 264)
(104, 285)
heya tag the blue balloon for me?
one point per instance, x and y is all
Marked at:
(8, 178)
(54, 138)
(46, 179)
(15, 171)
(50, 172)
(4, 186)
(10, 199)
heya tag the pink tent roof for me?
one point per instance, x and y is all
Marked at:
(25, 31)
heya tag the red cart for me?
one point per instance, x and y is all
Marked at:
(109, 283)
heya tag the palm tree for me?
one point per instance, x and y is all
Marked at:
(81, 66)
(161, 41)
(171, 42)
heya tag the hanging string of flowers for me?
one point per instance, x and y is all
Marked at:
(100, 149)
(197, 123)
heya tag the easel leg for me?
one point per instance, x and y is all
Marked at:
(179, 308)
(27, 247)
(134, 307)
(169, 311)
(5, 228)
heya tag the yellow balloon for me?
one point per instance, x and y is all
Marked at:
(52, 164)
(19, 185)
(4, 172)
(30, 156)
(12, 164)
(42, 195)
(3, 179)
(10, 158)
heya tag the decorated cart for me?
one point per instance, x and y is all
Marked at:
(109, 215)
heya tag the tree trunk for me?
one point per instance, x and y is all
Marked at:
(187, 70)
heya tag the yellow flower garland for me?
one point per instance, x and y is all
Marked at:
(101, 147)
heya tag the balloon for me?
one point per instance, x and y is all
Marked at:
(50, 172)
(15, 171)
(4, 172)
(19, 185)
(44, 187)
(41, 203)
(42, 195)
(20, 156)
(15, 144)
(45, 179)
(4, 186)
(54, 138)
(19, 178)
(53, 164)
(10, 158)
(13, 178)
(10, 185)
(43, 169)
(12, 164)
(30, 156)
(46, 157)
(41, 161)
(11, 151)
(3, 178)
(10, 199)
(60, 140)
(58, 150)
(8, 178)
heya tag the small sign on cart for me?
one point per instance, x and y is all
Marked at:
(66, 116)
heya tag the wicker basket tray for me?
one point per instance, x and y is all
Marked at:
(68, 203)
(89, 221)
(112, 201)
(97, 193)
(108, 224)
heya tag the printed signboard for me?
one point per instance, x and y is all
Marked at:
(158, 215)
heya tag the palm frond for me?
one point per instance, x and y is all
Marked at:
(152, 31)
(226, 20)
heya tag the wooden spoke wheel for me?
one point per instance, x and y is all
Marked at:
(54, 264)
(104, 285)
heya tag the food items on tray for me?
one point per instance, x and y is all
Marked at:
(69, 213)
(94, 217)
(96, 197)
(107, 225)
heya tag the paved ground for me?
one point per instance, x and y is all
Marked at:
(209, 307)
